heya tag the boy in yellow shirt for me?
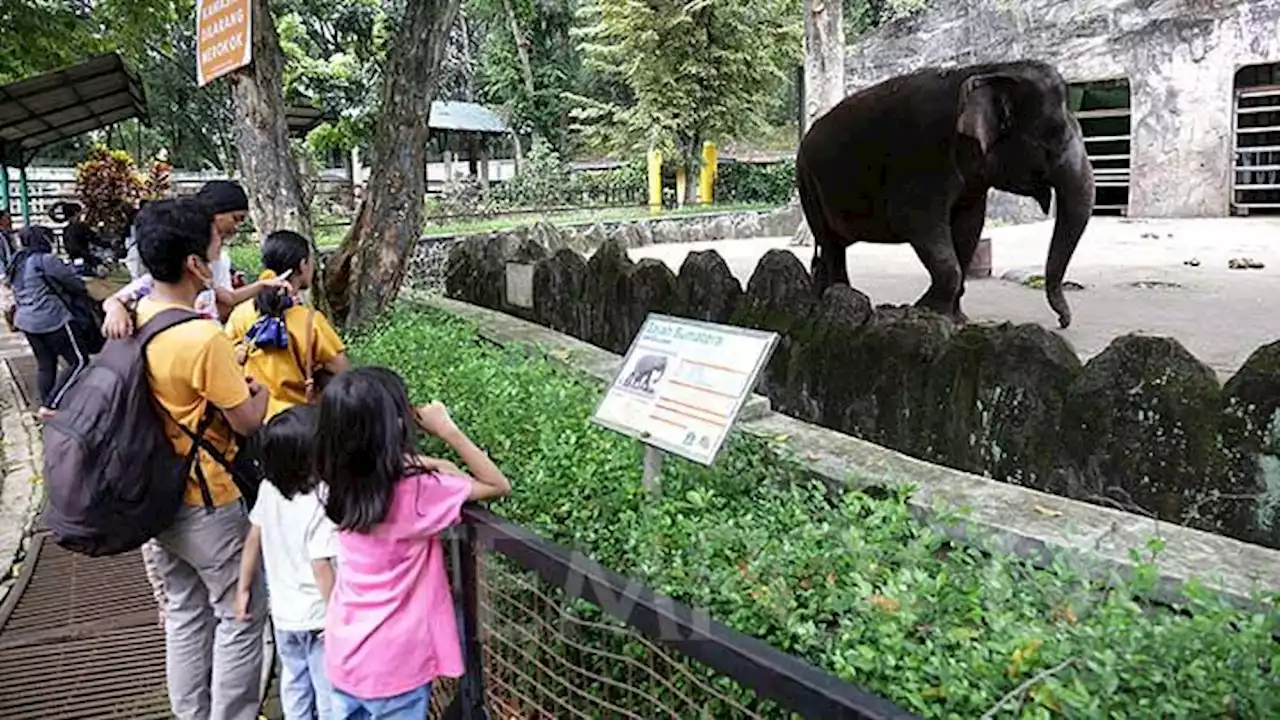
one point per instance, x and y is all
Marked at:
(214, 660)
(281, 343)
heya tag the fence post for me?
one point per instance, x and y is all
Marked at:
(655, 181)
(471, 690)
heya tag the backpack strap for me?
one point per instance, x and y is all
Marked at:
(164, 320)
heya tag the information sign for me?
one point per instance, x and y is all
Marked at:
(683, 383)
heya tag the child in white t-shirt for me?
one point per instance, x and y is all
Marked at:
(298, 544)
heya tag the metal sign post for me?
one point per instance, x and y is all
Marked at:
(681, 387)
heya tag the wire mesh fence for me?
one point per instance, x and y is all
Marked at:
(547, 656)
(548, 633)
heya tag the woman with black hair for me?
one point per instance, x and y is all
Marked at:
(285, 346)
(42, 285)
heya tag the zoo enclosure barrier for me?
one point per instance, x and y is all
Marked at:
(549, 633)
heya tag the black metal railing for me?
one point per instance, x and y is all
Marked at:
(548, 632)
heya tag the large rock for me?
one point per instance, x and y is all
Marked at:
(998, 393)
(779, 298)
(1141, 426)
(548, 235)
(1251, 436)
(607, 296)
(652, 289)
(559, 289)
(666, 231)
(823, 359)
(885, 388)
(476, 271)
(706, 289)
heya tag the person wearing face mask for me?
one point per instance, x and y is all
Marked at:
(214, 659)
(228, 205)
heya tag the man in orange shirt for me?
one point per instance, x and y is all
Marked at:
(214, 661)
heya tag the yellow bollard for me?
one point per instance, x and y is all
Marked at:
(655, 181)
(681, 185)
(707, 176)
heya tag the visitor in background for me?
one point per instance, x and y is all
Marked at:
(79, 240)
(283, 343)
(38, 277)
(7, 251)
(213, 659)
(132, 260)
(298, 544)
(227, 200)
(391, 629)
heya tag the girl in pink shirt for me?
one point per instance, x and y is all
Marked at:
(390, 629)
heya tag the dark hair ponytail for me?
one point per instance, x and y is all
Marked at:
(283, 251)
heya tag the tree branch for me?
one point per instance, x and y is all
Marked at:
(1021, 689)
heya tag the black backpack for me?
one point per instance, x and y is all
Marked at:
(112, 477)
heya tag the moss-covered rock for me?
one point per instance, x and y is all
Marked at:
(706, 289)
(607, 294)
(559, 288)
(652, 289)
(1142, 429)
(887, 379)
(779, 298)
(1251, 437)
(824, 357)
(998, 393)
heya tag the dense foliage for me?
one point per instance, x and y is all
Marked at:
(697, 70)
(109, 184)
(741, 182)
(854, 583)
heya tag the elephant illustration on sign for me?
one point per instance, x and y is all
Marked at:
(911, 160)
(648, 370)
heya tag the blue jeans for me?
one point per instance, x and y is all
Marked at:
(413, 705)
(304, 688)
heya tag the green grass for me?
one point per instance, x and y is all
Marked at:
(854, 584)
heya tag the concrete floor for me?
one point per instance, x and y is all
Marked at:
(1221, 315)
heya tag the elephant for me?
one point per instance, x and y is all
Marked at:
(911, 159)
(642, 375)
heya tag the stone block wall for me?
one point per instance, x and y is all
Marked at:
(1180, 59)
(427, 266)
(1144, 426)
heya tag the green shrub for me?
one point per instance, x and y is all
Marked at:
(740, 182)
(852, 583)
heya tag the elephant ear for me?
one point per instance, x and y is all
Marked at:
(983, 112)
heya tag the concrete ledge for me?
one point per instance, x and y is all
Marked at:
(20, 488)
(1019, 520)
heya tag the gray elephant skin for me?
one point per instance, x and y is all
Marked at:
(643, 374)
(911, 159)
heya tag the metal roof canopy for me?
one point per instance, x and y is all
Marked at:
(303, 119)
(453, 116)
(61, 104)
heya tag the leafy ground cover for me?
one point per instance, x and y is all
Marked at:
(851, 583)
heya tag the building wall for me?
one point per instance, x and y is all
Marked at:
(1180, 57)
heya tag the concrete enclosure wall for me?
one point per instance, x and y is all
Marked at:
(1144, 426)
(1180, 58)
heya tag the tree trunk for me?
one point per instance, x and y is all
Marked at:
(522, 48)
(823, 71)
(366, 274)
(267, 166)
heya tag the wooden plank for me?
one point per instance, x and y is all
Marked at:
(1241, 187)
(1097, 158)
(1254, 168)
(1107, 184)
(1259, 149)
(1107, 138)
(1258, 109)
(1260, 129)
(1257, 206)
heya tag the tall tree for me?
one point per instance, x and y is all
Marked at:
(528, 63)
(267, 164)
(698, 70)
(367, 272)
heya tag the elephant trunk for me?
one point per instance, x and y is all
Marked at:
(1072, 183)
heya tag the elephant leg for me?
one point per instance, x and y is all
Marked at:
(938, 255)
(967, 221)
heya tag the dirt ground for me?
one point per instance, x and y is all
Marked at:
(1134, 274)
